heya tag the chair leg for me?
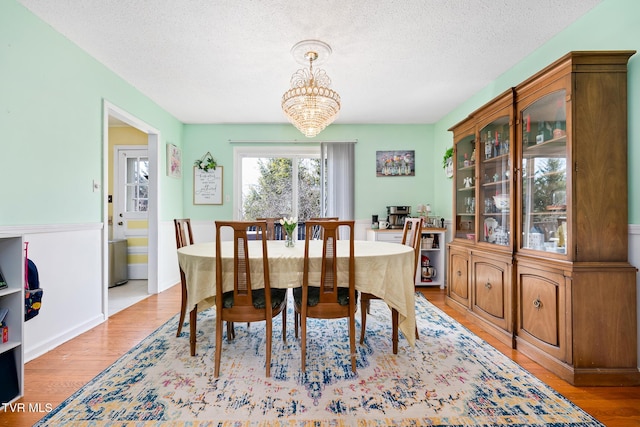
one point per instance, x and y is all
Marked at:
(296, 322)
(231, 331)
(364, 303)
(268, 353)
(183, 309)
(218, 354)
(352, 339)
(303, 342)
(193, 316)
(284, 323)
(394, 330)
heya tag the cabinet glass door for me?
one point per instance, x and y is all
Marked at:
(465, 169)
(495, 183)
(544, 174)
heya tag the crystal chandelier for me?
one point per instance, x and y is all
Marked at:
(310, 105)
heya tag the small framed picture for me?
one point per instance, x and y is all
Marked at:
(174, 161)
(395, 163)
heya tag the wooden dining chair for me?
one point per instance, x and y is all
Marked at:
(184, 237)
(271, 230)
(316, 231)
(244, 303)
(411, 236)
(324, 299)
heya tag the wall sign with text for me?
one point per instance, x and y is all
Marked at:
(207, 186)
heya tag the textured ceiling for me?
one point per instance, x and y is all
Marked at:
(229, 61)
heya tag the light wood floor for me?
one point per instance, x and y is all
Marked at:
(53, 377)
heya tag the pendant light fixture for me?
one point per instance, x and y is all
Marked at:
(310, 105)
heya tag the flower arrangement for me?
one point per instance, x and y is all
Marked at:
(206, 163)
(289, 224)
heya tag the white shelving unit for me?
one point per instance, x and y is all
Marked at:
(435, 253)
(12, 298)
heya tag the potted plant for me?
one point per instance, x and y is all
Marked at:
(447, 162)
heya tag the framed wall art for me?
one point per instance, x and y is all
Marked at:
(395, 163)
(207, 186)
(174, 161)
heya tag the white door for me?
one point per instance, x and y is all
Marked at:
(131, 205)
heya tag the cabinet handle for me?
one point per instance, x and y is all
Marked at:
(537, 303)
(459, 273)
(487, 285)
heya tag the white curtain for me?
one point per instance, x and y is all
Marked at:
(338, 171)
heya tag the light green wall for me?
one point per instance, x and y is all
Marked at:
(51, 95)
(51, 126)
(612, 25)
(373, 194)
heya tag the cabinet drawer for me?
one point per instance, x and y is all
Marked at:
(389, 236)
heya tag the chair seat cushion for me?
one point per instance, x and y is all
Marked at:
(277, 296)
(314, 296)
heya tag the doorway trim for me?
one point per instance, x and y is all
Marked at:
(153, 142)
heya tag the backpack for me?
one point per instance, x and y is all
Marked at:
(32, 291)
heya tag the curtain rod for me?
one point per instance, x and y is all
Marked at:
(286, 141)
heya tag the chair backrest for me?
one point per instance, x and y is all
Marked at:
(412, 235)
(316, 231)
(184, 236)
(329, 267)
(242, 285)
(273, 230)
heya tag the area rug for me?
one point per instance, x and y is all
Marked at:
(449, 378)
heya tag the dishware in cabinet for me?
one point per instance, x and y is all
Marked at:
(495, 191)
(543, 167)
(464, 177)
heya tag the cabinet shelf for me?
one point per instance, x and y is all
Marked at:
(10, 290)
(496, 159)
(496, 183)
(9, 345)
(472, 188)
(552, 148)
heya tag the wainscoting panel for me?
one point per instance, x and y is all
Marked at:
(69, 261)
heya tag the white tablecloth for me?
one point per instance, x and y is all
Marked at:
(382, 269)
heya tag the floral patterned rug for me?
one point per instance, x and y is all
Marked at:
(450, 377)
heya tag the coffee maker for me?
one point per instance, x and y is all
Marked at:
(397, 214)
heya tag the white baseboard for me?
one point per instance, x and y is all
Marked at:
(54, 341)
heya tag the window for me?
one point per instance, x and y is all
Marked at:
(273, 182)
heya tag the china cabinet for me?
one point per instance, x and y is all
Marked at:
(543, 242)
(12, 300)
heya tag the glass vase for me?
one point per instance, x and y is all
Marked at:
(289, 242)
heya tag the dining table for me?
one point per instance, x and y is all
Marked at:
(384, 269)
